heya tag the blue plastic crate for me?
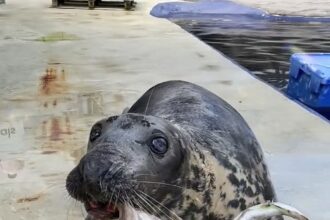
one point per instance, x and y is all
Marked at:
(309, 80)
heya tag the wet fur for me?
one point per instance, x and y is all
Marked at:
(227, 172)
(215, 159)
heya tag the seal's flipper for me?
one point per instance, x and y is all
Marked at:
(270, 210)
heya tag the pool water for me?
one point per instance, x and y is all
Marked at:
(261, 46)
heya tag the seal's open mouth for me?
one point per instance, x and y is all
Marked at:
(101, 210)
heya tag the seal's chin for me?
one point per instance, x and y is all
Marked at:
(102, 211)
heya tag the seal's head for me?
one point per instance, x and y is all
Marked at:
(131, 159)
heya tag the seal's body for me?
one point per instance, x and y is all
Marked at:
(179, 152)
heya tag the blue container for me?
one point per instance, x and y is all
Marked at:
(309, 80)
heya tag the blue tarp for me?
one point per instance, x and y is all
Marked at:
(219, 8)
(204, 7)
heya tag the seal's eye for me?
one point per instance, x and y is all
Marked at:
(95, 133)
(159, 145)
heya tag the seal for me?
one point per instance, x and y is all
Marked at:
(180, 152)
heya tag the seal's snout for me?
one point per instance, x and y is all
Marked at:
(97, 181)
(103, 172)
(92, 170)
(95, 168)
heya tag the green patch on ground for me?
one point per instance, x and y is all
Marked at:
(58, 36)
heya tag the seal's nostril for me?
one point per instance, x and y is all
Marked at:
(90, 166)
(91, 170)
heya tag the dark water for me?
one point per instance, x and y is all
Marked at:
(262, 46)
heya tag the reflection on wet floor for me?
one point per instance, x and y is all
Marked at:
(52, 83)
(44, 136)
(57, 113)
(91, 103)
(11, 167)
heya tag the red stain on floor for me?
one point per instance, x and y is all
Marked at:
(52, 83)
(58, 128)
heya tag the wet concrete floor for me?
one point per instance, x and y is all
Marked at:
(63, 69)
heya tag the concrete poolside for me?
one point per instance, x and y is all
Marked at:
(105, 59)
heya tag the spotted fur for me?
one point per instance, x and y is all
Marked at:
(214, 167)
(226, 171)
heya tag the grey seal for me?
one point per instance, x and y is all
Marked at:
(179, 152)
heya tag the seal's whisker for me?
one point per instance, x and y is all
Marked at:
(147, 106)
(68, 211)
(139, 175)
(115, 170)
(129, 201)
(140, 204)
(111, 169)
(122, 191)
(54, 186)
(69, 197)
(153, 211)
(124, 201)
(159, 207)
(151, 198)
(118, 194)
(155, 205)
(100, 183)
(107, 195)
(107, 190)
(160, 183)
(112, 193)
